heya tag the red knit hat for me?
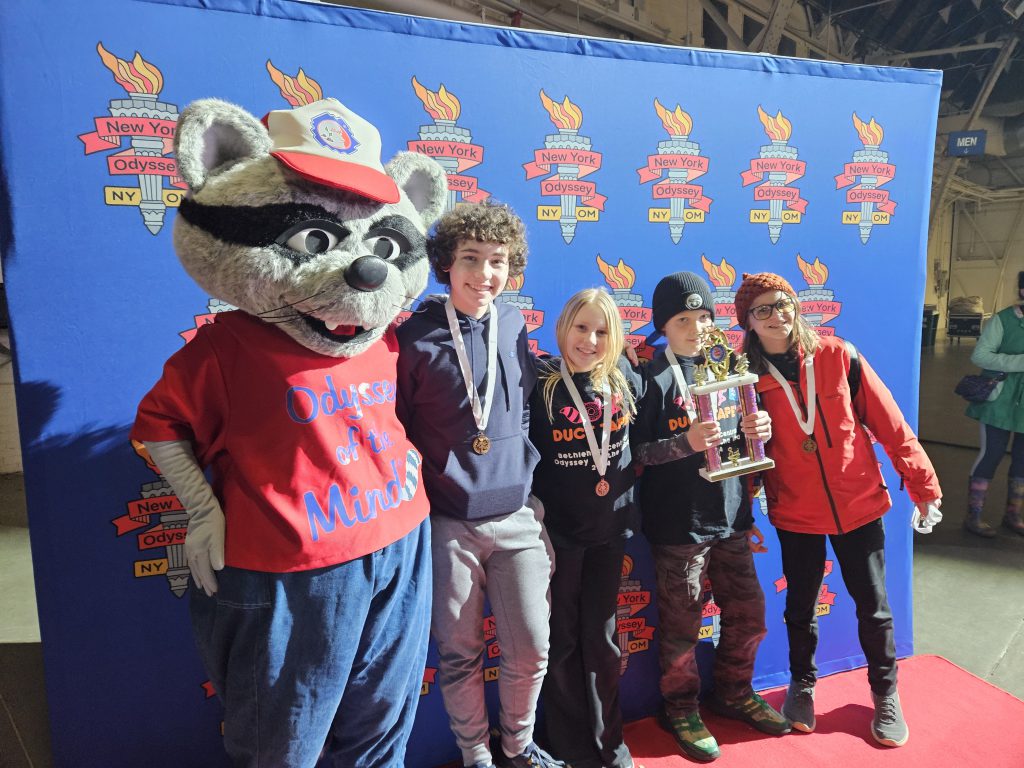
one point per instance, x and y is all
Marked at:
(753, 286)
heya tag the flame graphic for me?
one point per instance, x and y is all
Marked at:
(515, 282)
(677, 123)
(721, 275)
(299, 91)
(620, 276)
(870, 133)
(627, 565)
(566, 116)
(440, 104)
(814, 274)
(136, 76)
(143, 454)
(778, 128)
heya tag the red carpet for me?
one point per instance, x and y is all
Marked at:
(956, 720)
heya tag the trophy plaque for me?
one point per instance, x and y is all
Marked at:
(739, 455)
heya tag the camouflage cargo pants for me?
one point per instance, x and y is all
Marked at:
(681, 570)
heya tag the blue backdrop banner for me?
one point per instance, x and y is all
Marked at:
(627, 161)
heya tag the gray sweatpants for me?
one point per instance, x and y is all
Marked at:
(509, 560)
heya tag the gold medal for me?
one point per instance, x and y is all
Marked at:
(602, 488)
(810, 445)
(481, 444)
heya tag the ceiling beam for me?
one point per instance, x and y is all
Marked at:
(735, 41)
(767, 40)
(889, 58)
(979, 103)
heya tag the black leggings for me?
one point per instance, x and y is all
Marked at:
(993, 446)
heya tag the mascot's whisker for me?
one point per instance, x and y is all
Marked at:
(292, 304)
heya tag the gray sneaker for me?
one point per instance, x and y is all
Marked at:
(888, 726)
(799, 707)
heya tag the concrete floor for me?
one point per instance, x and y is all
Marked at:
(968, 592)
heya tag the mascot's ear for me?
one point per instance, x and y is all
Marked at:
(423, 181)
(212, 135)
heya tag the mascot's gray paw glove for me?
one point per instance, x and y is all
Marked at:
(204, 543)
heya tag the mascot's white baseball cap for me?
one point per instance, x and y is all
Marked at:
(330, 144)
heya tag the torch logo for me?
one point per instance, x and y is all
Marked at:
(569, 153)
(449, 144)
(634, 634)
(493, 650)
(157, 510)
(149, 126)
(681, 158)
(429, 678)
(534, 318)
(722, 276)
(826, 597)
(776, 168)
(620, 279)
(214, 307)
(872, 166)
(711, 617)
(817, 303)
(299, 91)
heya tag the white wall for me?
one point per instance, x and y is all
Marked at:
(983, 235)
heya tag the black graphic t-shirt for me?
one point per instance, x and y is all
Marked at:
(566, 476)
(677, 505)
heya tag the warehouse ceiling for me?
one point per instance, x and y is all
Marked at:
(953, 29)
(974, 43)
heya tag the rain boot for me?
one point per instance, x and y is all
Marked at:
(973, 523)
(1013, 519)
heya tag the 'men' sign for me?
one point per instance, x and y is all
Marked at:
(966, 143)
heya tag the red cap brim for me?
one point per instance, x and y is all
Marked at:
(339, 174)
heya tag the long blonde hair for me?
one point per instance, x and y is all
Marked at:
(803, 338)
(606, 371)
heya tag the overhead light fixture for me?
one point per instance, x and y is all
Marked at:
(1014, 7)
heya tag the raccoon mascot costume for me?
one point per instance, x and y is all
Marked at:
(308, 547)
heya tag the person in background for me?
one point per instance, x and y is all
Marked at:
(1000, 349)
(827, 482)
(698, 529)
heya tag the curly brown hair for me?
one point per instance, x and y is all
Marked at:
(480, 222)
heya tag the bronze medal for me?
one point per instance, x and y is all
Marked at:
(602, 488)
(810, 445)
(481, 444)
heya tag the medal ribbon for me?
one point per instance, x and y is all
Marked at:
(600, 458)
(677, 373)
(807, 425)
(481, 411)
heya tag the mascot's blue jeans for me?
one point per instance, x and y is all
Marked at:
(329, 660)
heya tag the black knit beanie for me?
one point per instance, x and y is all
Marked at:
(679, 292)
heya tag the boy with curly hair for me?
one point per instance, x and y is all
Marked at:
(465, 374)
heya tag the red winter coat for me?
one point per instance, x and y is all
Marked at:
(839, 486)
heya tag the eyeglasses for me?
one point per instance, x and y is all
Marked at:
(764, 311)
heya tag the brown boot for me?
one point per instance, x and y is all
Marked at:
(976, 492)
(1013, 519)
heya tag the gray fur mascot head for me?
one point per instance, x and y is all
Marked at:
(294, 220)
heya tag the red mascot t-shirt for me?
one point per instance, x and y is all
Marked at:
(310, 463)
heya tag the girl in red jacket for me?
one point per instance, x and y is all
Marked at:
(827, 482)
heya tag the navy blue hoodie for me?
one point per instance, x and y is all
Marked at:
(434, 407)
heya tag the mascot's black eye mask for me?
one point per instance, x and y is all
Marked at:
(302, 230)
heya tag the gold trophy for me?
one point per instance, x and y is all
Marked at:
(727, 459)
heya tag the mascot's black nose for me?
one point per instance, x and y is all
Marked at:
(367, 273)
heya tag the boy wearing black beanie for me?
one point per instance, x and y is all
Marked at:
(698, 529)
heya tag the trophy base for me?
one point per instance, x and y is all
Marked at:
(736, 468)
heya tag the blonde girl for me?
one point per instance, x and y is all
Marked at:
(580, 416)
